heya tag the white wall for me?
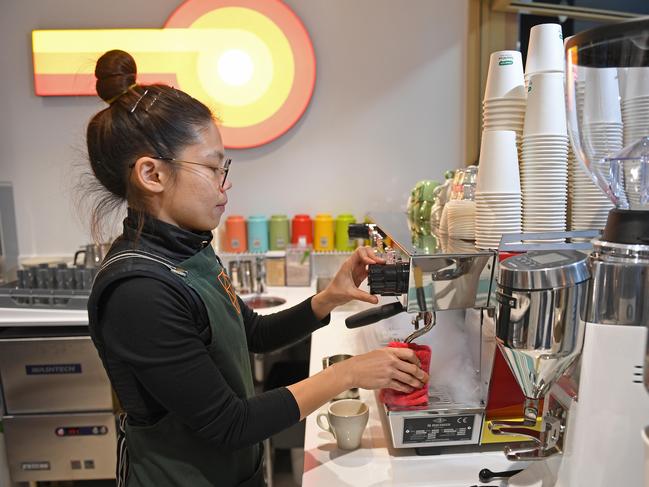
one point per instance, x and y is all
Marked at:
(387, 111)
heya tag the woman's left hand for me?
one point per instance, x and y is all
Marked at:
(344, 286)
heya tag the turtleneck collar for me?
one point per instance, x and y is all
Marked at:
(164, 239)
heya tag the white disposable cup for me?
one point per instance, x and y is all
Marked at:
(546, 112)
(498, 167)
(546, 138)
(505, 76)
(602, 96)
(621, 78)
(511, 103)
(637, 83)
(545, 50)
(346, 421)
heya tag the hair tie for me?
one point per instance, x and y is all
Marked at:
(114, 99)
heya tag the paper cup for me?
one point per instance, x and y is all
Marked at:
(505, 76)
(545, 50)
(602, 96)
(546, 112)
(498, 167)
(637, 83)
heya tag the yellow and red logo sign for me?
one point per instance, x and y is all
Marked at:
(251, 61)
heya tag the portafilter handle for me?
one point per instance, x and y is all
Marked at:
(374, 315)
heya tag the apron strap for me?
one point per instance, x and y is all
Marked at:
(122, 452)
(141, 254)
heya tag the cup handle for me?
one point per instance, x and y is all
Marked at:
(323, 422)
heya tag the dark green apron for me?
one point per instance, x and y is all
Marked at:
(168, 453)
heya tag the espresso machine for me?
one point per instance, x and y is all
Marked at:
(557, 306)
(443, 300)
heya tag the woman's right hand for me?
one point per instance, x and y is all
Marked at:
(393, 368)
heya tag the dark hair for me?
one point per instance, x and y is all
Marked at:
(141, 120)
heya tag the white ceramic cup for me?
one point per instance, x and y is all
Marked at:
(546, 112)
(505, 76)
(602, 96)
(498, 167)
(545, 50)
(346, 421)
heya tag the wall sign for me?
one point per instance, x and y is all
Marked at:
(251, 61)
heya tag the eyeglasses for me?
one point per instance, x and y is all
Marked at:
(221, 172)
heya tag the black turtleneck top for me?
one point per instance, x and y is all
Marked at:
(154, 335)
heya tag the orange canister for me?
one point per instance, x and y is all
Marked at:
(235, 234)
(301, 226)
(323, 233)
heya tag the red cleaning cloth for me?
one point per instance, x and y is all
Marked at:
(418, 397)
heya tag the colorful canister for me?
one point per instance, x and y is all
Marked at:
(235, 234)
(302, 227)
(258, 234)
(343, 242)
(323, 233)
(279, 232)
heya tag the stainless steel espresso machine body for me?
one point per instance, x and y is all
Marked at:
(439, 291)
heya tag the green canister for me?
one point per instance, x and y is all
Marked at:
(279, 232)
(343, 242)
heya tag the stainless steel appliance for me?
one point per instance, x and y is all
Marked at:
(58, 408)
(93, 254)
(8, 234)
(444, 292)
(540, 332)
(603, 405)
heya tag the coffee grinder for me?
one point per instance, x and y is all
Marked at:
(594, 413)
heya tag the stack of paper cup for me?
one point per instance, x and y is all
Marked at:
(602, 137)
(461, 219)
(544, 160)
(544, 51)
(589, 206)
(503, 107)
(498, 189)
(635, 105)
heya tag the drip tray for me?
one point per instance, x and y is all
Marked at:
(440, 401)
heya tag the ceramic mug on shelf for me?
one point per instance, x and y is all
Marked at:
(346, 421)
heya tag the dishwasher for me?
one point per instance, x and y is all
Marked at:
(58, 408)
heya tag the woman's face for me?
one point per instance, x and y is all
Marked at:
(196, 199)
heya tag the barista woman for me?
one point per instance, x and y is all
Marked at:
(172, 334)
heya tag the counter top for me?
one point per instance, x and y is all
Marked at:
(376, 462)
(79, 317)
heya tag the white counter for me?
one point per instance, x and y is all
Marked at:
(79, 317)
(376, 463)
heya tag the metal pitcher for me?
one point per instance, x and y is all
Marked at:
(93, 254)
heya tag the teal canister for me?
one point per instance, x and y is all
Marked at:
(258, 234)
(279, 232)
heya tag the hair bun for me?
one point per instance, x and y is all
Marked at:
(115, 72)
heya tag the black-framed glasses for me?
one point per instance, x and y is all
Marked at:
(218, 170)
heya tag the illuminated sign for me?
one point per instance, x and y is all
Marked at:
(250, 61)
